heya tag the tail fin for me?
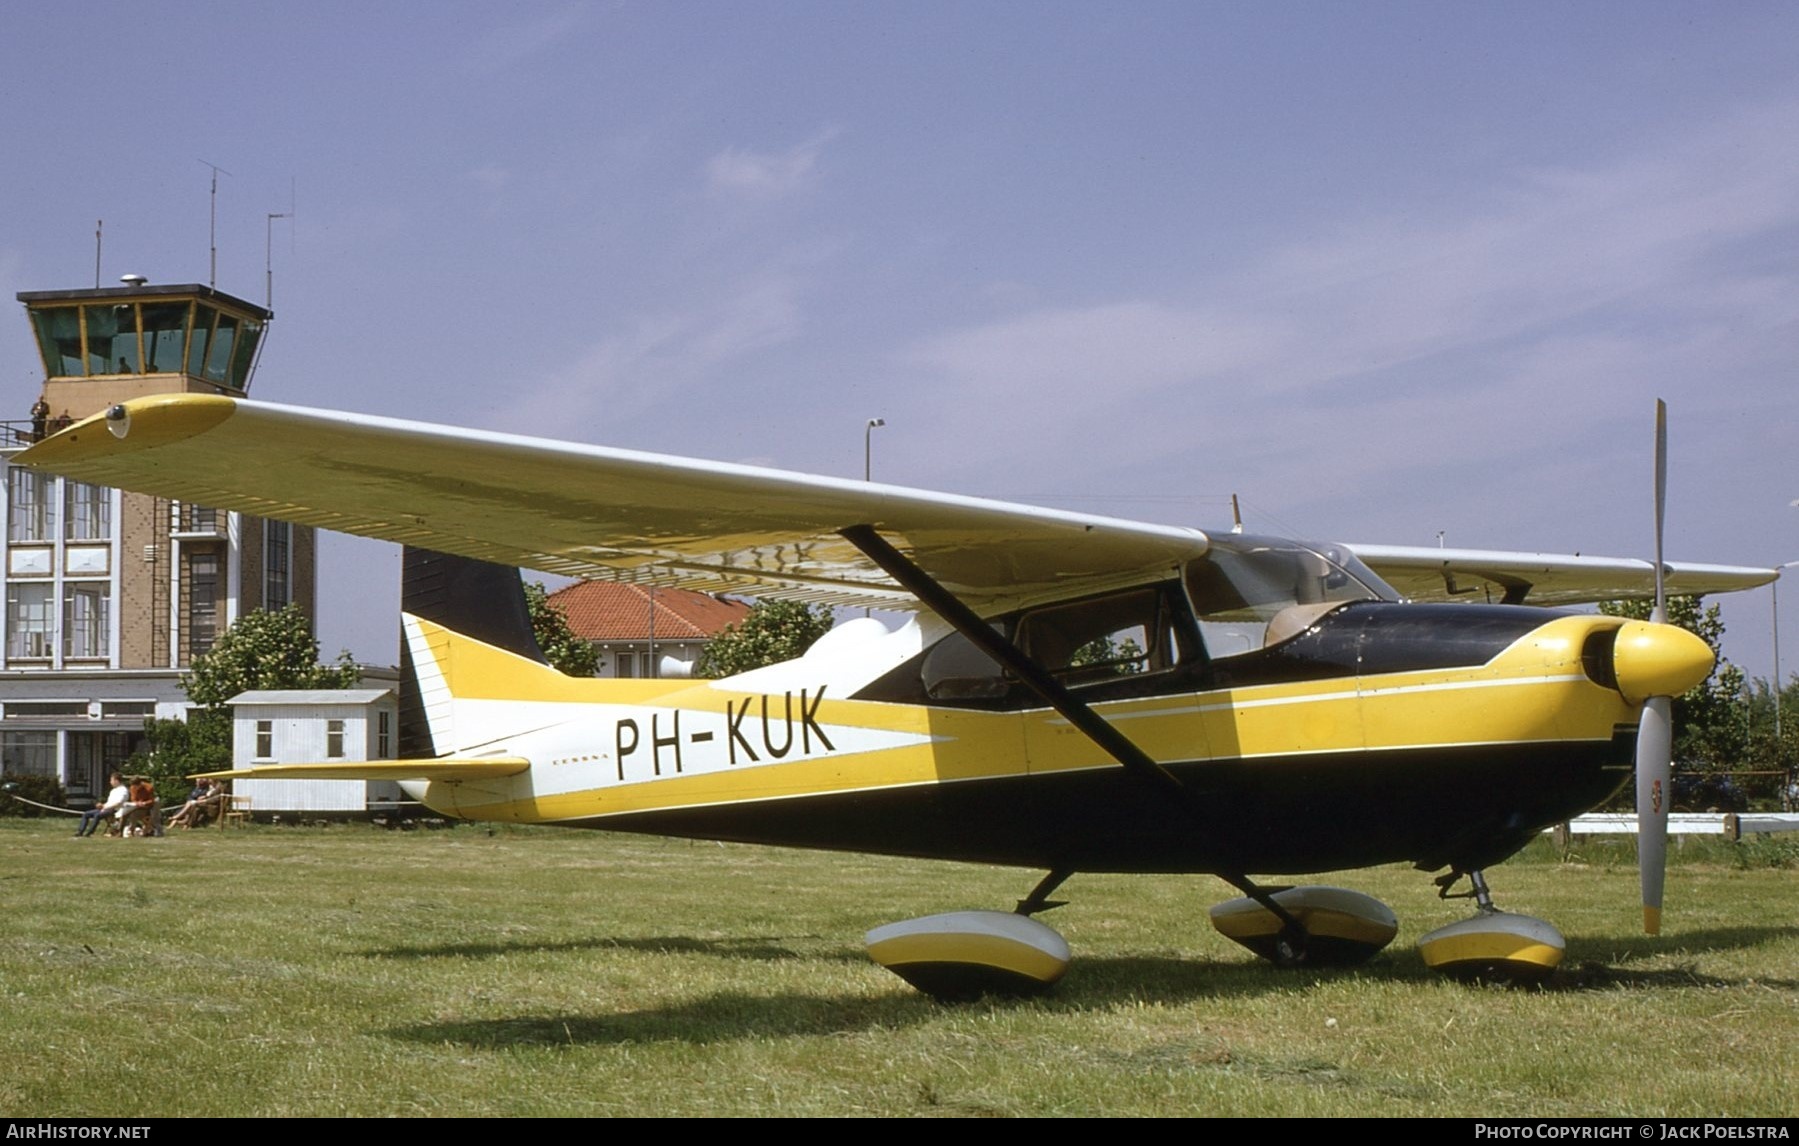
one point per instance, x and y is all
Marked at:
(477, 599)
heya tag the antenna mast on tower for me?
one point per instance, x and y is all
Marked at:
(212, 227)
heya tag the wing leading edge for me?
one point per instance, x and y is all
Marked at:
(591, 511)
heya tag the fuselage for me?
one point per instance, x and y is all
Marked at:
(1363, 732)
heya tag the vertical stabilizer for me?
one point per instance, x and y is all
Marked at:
(476, 599)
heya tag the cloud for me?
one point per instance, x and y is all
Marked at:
(759, 175)
(657, 356)
(508, 46)
(1518, 325)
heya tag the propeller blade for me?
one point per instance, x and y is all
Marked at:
(1655, 751)
(1660, 615)
(1655, 732)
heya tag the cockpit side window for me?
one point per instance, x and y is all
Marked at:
(1083, 644)
(1100, 640)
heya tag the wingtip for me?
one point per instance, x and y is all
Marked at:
(154, 421)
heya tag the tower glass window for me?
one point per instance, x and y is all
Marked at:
(218, 355)
(59, 340)
(112, 345)
(165, 333)
(204, 317)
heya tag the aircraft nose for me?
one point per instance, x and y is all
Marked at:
(1658, 660)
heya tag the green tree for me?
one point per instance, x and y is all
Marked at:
(561, 647)
(1124, 656)
(177, 749)
(1711, 721)
(262, 650)
(774, 631)
(1773, 745)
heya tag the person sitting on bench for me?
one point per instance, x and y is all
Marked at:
(115, 800)
(202, 804)
(142, 816)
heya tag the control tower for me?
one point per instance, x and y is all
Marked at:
(110, 594)
(117, 343)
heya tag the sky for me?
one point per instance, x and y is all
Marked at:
(1387, 271)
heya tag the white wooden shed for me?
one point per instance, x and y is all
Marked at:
(312, 726)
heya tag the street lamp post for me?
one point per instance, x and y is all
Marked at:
(868, 447)
(1774, 596)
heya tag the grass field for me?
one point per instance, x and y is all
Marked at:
(352, 971)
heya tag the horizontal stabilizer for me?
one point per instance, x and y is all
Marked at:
(449, 768)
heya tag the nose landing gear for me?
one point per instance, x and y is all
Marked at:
(1494, 946)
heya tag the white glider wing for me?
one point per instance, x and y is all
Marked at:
(1422, 573)
(589, 511)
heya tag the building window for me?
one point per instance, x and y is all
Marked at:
(202, 602)
(87, 511)
(28, 496)
(29, 629)
(277, 591)
(334, 740)
(91, 756)
(59, 340)
(383, 734)
(265, 740)
(28, 754)
(86, 628)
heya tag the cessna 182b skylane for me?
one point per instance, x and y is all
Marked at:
(1077, 693)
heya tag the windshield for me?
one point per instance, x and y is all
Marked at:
(1249, 592)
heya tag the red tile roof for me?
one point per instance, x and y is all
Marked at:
(607, 611)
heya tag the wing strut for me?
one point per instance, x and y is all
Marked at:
(1076, 711)
(990, 641)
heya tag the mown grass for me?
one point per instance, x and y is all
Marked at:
(351, 971)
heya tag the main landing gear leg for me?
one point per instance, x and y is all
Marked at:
(1494, 946)
(1039, 899)
(1287, 946)
(1311, 926)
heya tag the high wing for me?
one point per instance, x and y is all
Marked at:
(623, 515)
(1423, 573)
(590, 511)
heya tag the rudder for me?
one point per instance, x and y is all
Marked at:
(477, 599)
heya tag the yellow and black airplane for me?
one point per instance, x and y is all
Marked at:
(1076, 694)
